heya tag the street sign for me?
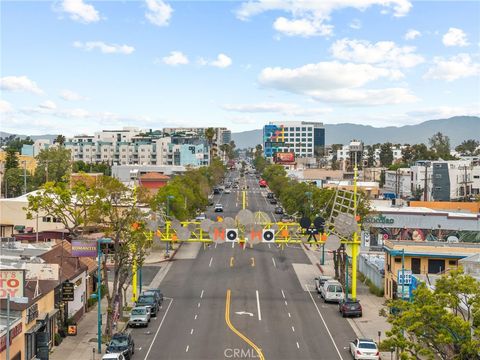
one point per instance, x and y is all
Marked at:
(268, 236)
(68, 291)
(231, 235)
(408, 277)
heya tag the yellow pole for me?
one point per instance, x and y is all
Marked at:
(355, 235)
(243, 199)
(134, 264)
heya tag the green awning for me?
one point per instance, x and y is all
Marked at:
(19, 227)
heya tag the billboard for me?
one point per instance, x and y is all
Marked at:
(11, 283)
(284, 157)
(41, 271)
(84, 248)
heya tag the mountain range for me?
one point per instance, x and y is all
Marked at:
(458, 129)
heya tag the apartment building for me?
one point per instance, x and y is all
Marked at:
(304, 139)
(37, 146)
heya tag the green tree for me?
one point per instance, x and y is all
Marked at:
(370, 156)
(60, 140)
(468, 147)
(386, 154)
(53, 164)
(14, 182)
(209, 135)
(15, 143)
(11, 160)
(440, 144)
(428, 326)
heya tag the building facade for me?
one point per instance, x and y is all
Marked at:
(304, 139)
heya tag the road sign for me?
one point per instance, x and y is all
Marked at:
(268, 236)
(68, 291)
(404, 280)
(217, 232)
(231, 235)
(253, 234)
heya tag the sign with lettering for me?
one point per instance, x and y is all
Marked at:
(11, 283)
(379, 219)
(41, 271)
(32, 313)
(14, 332)
(68, 291)
(84, 248)
(404, 280)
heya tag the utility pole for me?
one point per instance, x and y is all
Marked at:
(465, 182)
(425, 186)
(24, 177)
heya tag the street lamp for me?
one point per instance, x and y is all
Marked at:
(99, 293)
(169, 197)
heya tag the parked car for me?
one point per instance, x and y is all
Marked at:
(279, 210)
(155, 292)
(273, 201)
(332, 291)
(319, 281)
(350, 307)
(227, 191)
(364, 349)
(216, 191)
(121, 343)
(287, 218)
(113, 357)
(139, 316)
(150, 301)
(235, 186)
(270, 195)
(200, 217)
(218, 208)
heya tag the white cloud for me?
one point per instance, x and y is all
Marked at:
(104, 48)
(49, 105)
(283, 108)
(455, 37)
(5, 107)
(356, 24)
(309, 17)
(456, 67)
(365, 97)
(69, 95)
(222, 61)
(385, 53)
(324, 76)
(159, 12)
(19, 83)
(79, 11)
(302, 27)
(412, 34)
(175, 58)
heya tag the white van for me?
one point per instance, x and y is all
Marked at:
(332, 291)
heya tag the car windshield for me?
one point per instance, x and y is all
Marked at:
(119, 341)
(139, 311)
(145, 299)
(338, 289)
(367, 345)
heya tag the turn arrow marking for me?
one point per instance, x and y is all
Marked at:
(243, 313)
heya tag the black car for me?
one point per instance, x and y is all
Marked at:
(121, 343)
(270, 196)
(350, 307)
(278, 210)
(155, 292)
(150, 301)
(273, 201)
(216, 191)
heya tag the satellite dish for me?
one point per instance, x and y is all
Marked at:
(253, 233)
(229, 222)
(205, 224)
(305, 222)
(183, 234)
(245, 217)
(274, 227)
(261, 218)
(217, 232)
(176, 224)
(152, 225)
(333, 242)
(191, 227)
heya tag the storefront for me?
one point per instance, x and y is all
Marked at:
(16, 337)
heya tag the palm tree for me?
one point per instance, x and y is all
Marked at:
(209, 135)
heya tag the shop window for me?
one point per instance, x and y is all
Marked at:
(436, 266)
(452, 262)
(398, 260)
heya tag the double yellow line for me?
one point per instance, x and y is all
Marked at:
(247, 340)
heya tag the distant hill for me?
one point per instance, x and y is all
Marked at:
(33, 137)
(458, 129)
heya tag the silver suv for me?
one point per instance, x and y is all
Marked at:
(139, 316)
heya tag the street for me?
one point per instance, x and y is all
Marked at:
(230, 302)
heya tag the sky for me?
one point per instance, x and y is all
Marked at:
(75, 67)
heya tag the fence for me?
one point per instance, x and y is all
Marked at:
(372, 266)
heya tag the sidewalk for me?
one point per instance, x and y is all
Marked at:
(80, 347)
(371, 322)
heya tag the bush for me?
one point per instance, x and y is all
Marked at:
(91, 302)
(57, 339)
(371, 286)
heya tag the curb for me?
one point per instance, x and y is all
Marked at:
(165, 260)
(320, 268)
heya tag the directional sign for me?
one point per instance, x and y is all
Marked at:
(268, 236)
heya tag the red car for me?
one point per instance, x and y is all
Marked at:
(262, 183)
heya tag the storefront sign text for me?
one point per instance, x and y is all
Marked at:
(379, 219)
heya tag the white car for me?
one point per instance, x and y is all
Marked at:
(332, 291)
(113, 357)
(364, 349)
(227, 191)
(200, 217)
(218, 208)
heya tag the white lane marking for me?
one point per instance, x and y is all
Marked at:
(243, 313)
(196, 316)
(298, 346)
(198, 304)
(188, 346)
(233, 245)
(289, 315)
(269, 246)
(283, 294)
(324, 323)
(140, 348)
(293, 329)
(161, 322)
(258, 307)
(191, 332)
(201, 295)
(216, 245)
(286, 304)
(274, 264)
(211, 259)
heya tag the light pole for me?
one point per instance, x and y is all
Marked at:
(169, 197)
(99, 292)
(24, 176)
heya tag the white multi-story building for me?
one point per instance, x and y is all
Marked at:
(399, 182)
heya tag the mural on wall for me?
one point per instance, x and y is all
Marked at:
(381, 234)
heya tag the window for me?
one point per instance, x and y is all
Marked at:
(304, 129)
(47, 219)
(476, 176)
(452, 262)
(297, 129)
(438, 176)
(436, 266)
(398, 260)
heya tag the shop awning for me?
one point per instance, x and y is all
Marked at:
(19, 227)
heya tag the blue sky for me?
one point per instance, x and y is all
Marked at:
(78, 66)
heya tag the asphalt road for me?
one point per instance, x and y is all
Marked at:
(234, 303)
